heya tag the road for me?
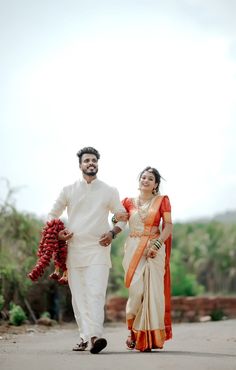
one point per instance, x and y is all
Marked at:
(209, 345)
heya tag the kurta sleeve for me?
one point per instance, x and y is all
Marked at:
(58, 206)
(116, 206)
(115, 203)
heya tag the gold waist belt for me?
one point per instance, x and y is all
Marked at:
(139, 234)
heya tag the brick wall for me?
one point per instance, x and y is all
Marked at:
(184, 309)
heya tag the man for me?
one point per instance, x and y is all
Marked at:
(88, 202)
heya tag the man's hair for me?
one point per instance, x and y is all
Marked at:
(87, 150)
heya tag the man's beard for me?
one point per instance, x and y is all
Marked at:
(90, 173)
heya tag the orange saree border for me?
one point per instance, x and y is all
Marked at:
(143, 240)
(149, 339)
(167, 289)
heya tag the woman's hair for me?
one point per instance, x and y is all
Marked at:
(87, 150)
(154, 172)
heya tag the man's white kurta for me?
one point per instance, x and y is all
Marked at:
(88, 207)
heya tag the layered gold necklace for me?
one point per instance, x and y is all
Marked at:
(142, 212)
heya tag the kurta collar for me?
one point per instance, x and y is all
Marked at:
(92, 184)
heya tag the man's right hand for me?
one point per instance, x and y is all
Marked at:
(65, 235)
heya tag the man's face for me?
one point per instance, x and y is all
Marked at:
(89, 164)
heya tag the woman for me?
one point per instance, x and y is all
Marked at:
(146, 264)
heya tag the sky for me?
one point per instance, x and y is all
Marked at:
(145, 82)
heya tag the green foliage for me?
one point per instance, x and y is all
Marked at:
(17, 315)
(116, 279)
(1, 302)
(217, 314)
(19, 237)
(183, 282)
(207, 250)
(46, 314)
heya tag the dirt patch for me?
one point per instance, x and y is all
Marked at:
(7, 330)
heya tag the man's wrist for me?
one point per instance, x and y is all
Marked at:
(113, 234)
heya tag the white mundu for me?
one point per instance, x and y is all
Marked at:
(88, 206)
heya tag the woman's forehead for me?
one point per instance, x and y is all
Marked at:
(148, 174)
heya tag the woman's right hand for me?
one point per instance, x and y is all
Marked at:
(121, 216)
(151, 253)
(65, 234)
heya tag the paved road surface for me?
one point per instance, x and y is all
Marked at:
(196, 346)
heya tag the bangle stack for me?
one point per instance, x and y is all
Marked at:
(158, 243)
(114, 220)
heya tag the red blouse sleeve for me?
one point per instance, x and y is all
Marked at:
(165, 205)
(127, 203)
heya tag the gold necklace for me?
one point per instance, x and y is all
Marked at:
(142, 212)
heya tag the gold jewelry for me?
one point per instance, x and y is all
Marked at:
(142, 213)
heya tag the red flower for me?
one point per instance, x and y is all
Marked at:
(51, 248)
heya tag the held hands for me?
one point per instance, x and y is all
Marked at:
(105, 239)
(121, 216)
(65, 235)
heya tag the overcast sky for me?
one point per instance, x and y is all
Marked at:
(145, 82)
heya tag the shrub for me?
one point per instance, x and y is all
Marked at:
(17, 315)
(45, 315)
(217, 314)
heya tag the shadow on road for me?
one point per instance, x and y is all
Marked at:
(169, 353)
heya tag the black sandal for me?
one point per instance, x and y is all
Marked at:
(130, 343)
(98, 345)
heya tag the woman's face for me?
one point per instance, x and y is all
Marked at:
(147, 181)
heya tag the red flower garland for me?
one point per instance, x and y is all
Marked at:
(51, 247)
